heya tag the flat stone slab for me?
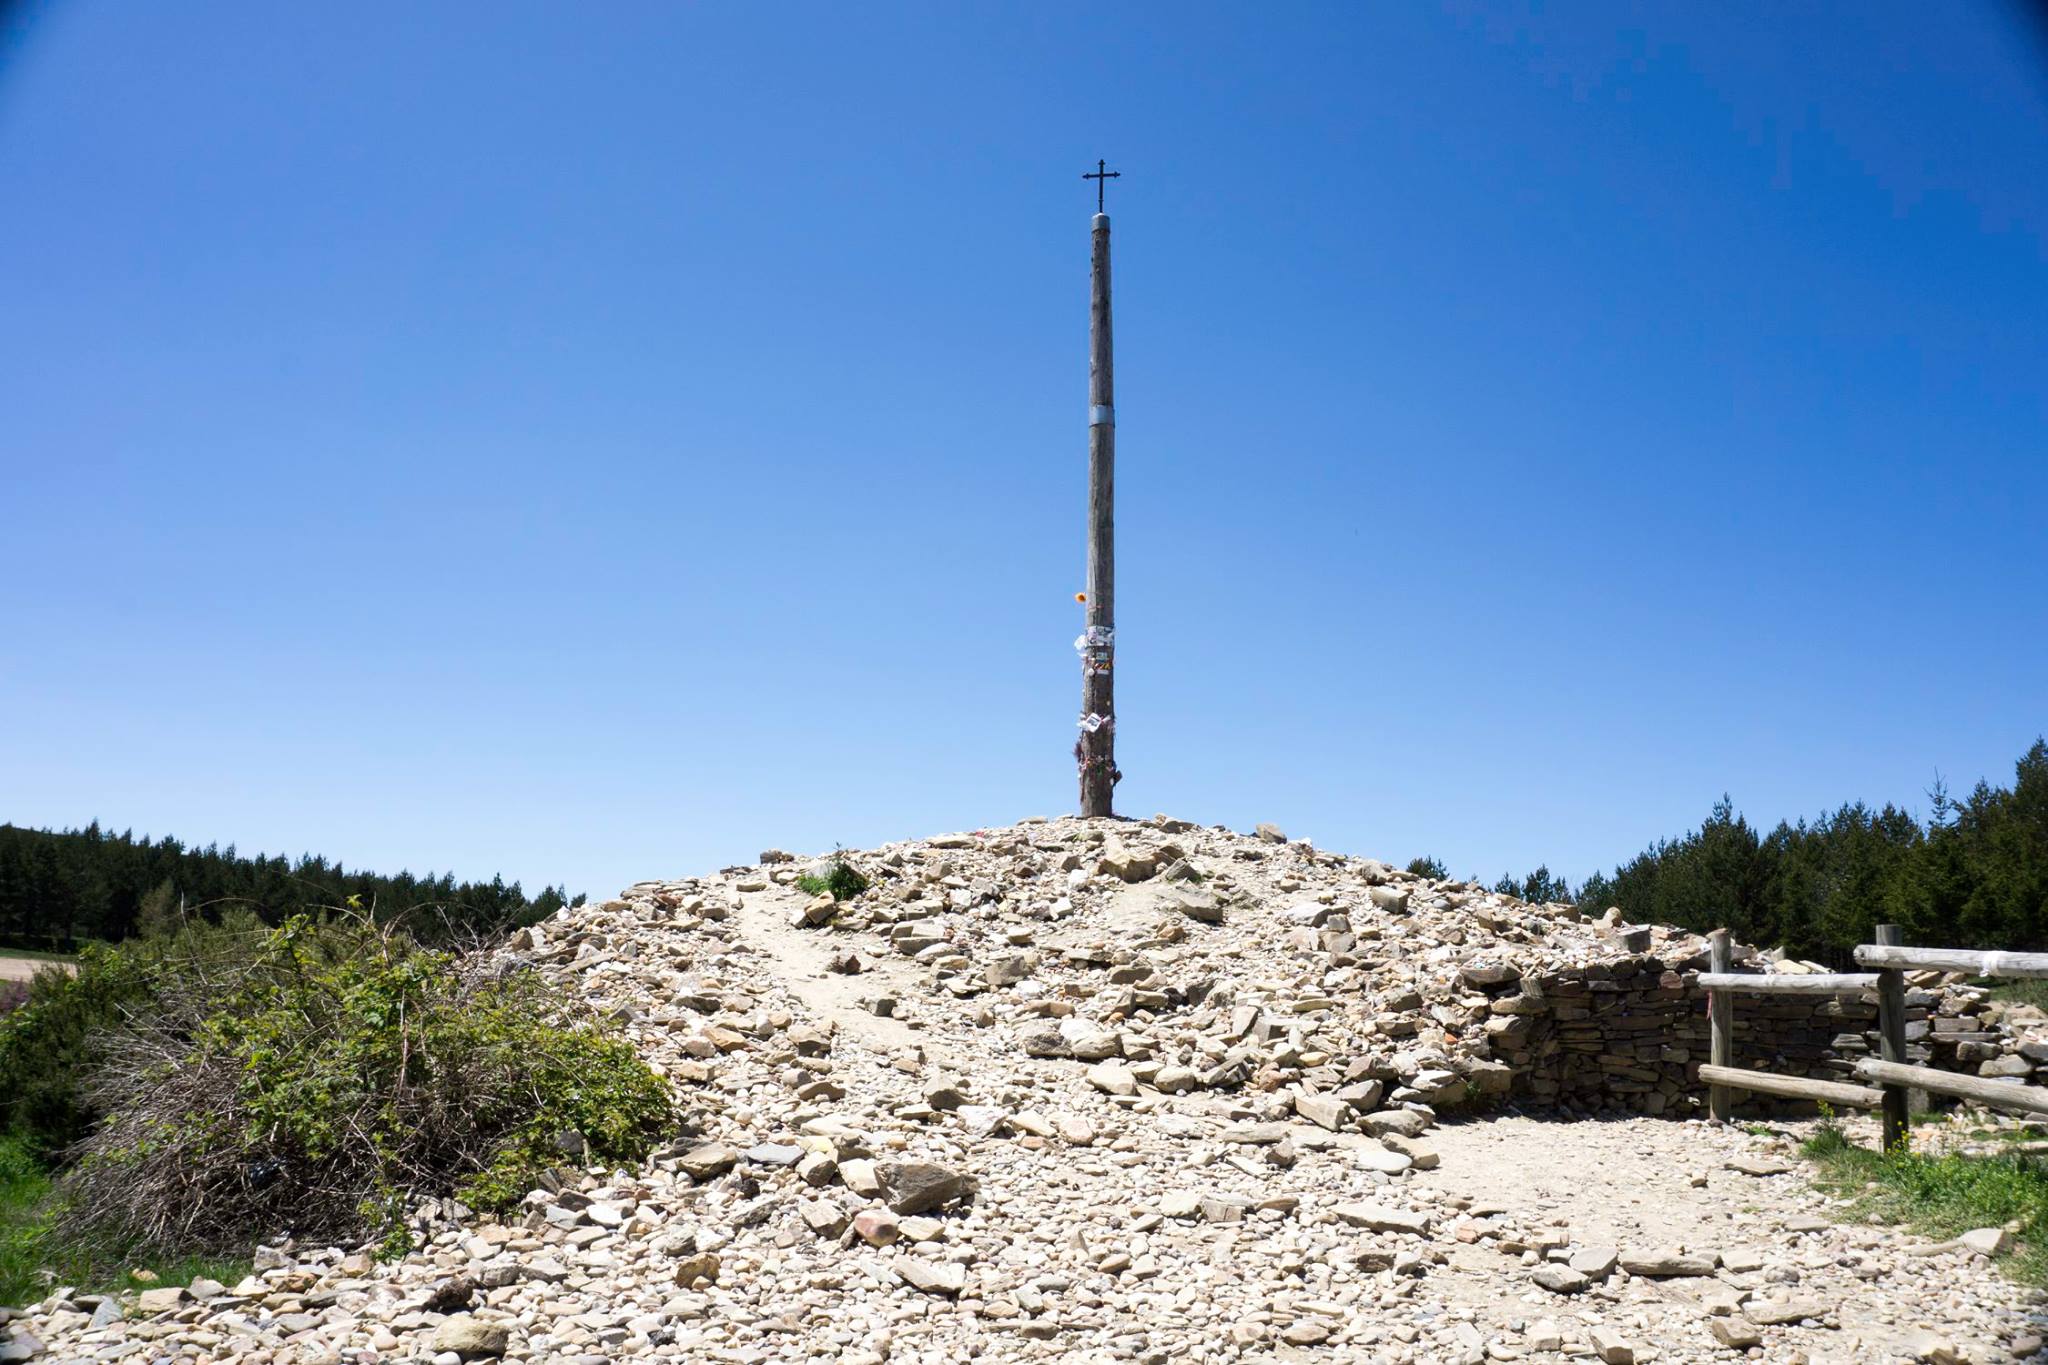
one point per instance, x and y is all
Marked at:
(1594, 1262)
(945, 1278)
(1735, 1334)
(1664, 1263)
(1767, 1314)
(1376, 1218)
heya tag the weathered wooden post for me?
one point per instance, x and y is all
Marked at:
(1096, 751)
(1891, 1037)
(1720, 1024)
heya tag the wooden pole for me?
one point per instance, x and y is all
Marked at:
(1097, 749)
(1891, 1038)
(1720, 1025)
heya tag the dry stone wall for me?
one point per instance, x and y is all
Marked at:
(1630, 1034)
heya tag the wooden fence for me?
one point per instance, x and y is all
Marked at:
(1889, 1074)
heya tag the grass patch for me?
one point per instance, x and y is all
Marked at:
(2017, 992)
(2010, 1137)
(37, 1254)
(1941, 1196)
(37, 955)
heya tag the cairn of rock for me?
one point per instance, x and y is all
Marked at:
(1203, 960)
(1093, 1090)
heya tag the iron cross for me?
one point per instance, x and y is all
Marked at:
(1101, 177)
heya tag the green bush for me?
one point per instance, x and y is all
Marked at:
(55, 1040)
(336, 1076)
(842, 880)
(22, 1233)
(52, 1040)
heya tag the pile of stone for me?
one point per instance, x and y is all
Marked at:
(1063, 1090)
(1202, 960)
(1966, 1029)
(1181, 960)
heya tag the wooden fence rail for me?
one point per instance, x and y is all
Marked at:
(1722, 1077)
(2030, 1099)
(1793, 1087)
(1953, 960)
(1892, 1076)
(1759, 983)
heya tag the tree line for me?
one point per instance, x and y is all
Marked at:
(1973, 874)
(62, 888)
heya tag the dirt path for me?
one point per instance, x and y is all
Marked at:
(1642, 1182)
(803, 957)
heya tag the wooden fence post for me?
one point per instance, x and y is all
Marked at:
(1720, 1025)
(1891, 1037)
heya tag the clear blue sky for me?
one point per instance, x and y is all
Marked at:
(598, 442)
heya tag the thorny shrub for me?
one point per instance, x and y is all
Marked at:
(335, 1076)
(51, 1045)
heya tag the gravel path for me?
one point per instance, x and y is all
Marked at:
(1652, 1183)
